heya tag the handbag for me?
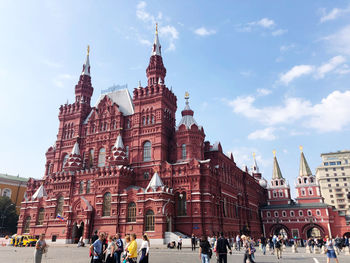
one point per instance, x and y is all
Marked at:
(210, 254)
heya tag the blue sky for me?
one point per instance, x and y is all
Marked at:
(262, 75)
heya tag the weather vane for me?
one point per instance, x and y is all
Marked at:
(274, 153)
(301, 148)
(88, 49)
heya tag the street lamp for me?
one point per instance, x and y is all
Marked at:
(3, 215)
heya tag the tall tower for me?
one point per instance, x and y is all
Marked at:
(279, 190)
(189, 135)
(155, 106)
(255, 169)
(308, 190)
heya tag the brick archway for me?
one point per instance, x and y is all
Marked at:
(277, 227)
(308, 227)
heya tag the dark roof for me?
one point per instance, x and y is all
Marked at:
(13, 177)
(295, 206)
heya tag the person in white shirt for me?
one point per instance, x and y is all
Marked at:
(238, 243)
(179, 243)
(144, 249)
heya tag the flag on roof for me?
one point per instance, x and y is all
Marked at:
(60, 217)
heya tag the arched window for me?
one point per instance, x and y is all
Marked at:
(276, 214)
(81, 187)
(91, 158)
(40, 219)
(181, 207)
(147, 146)
(284, 213)
(183, 151)
(152, 119)
(106, 209)
(88, 186)
(143, 121)
(59, 207)
(309, 213)
(102, 157)
(6, 192)
(65, 158)
(310, 191)
(301, 213)
(281, 193)
(305, 180)
(318, 212)
(268, 214)
(292, 213)
(131, 212)
(274, 194)
(27, 224)
(149, 220)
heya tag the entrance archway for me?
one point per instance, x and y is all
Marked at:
(314, 232)
(281, 232)
(280, 229)
(74, 233)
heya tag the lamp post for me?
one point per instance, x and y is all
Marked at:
(3, 216)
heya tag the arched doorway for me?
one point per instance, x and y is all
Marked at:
(80, 230)
(314, 232)
(280, 230)
(75, 233)
(168, 224)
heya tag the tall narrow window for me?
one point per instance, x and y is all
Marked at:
(127, 151)
(6, 192)
(91, 158)
(88, 186)
(27, 224)
(59, 207)
(102, 157)
(40, 219)
(106, 209)
(183, 151)
(147, 151)
(81, 187)
(64, 161)
(149, 220)
(131, 212)
(181, 208)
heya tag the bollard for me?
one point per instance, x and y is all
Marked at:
(316, 250)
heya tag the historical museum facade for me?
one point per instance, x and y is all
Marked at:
(125, 166)
(307, 216)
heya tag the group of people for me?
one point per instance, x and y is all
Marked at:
(111, 249)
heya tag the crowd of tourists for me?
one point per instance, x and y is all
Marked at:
(110, 249)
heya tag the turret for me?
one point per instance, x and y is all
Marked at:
(74, 161)
(84, 90)
(118, 154)
(255, 169)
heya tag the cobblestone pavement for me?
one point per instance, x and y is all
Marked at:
(70, 253)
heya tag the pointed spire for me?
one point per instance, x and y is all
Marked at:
(255, 168)
(155, 182)
(304, 169)
(86, 66)
(156, 45)
(187, 114)
(75, 149)
(276, 174)
(41, 192)
(119, 143)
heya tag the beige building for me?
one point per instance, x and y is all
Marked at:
(333, 176)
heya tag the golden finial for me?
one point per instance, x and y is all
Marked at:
(187, 95)
(274, 153)
(88, 49)
(301, 148)
(156, 28)
(254, 155)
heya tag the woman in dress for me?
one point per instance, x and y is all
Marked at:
(110, 250)
(144, 249)
(330, 249)
(40, 249)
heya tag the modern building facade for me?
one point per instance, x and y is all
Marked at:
(14, 187)
(333, 176)
(308, 215)
(125, 166)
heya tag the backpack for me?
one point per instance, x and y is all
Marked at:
(278, 244)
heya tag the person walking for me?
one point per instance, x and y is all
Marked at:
(279, 247)
(193, 242)
(204, 250)
(119, 248)
(40, 248)
(247, 250)
(94, 237)
(96, 249)
(132, 249)
(221, 248)
(263, 243)
(179, 243)
(330, 250)
(144, 249)
(238, 243)
(111, 248)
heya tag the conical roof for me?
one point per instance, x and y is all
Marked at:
(86, 66)
(304, 169)
(276, 173)
(75, 149)
(156, 45)
(119, 142)
(41, 192)
(155, 182)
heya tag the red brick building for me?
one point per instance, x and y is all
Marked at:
(306, 217)
(124, 165)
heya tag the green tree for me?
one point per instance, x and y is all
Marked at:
(8, 216)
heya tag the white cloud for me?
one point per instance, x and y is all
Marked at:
(333, 14)
(142, 14)
(244, 156)
(264, 134)
(286, 48)
(246, 73)
(51, 64)
(145, 42)
(340, 41)
(331, 114)
(263, 92)
(264, 22)
(332, 64)
(345, 69)
(279, 32)
(59, 80)
(169, 31)
(296, 72)
(202, 31)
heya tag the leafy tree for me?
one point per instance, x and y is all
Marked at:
(8, 216)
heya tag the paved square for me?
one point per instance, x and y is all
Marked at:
(70, 253)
